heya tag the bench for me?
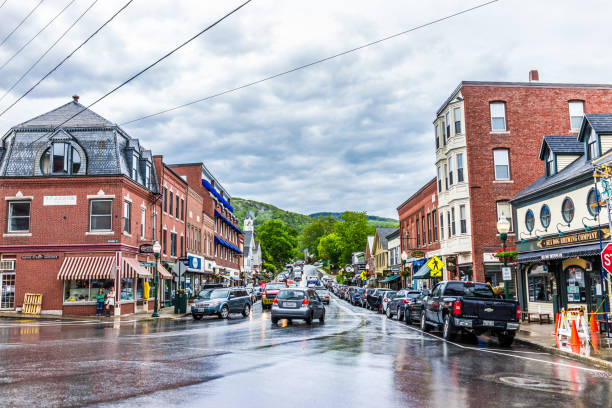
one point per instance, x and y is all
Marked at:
(535, 316)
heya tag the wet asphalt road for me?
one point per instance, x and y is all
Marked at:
(357, 358)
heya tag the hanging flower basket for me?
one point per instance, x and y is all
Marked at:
(508, 255)
(405, 273)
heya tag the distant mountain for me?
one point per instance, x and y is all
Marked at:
(262, 212)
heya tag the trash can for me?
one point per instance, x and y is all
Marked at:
(180, 303)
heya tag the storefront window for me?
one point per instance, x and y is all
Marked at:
(545, 216)
(539, 282)
(529, 220)
(127, 289)
(140, 289)
(567, 210)
(592, 203)
(85, 290)
(576, 292)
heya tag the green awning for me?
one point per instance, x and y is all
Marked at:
(422, 273)
(389, 279)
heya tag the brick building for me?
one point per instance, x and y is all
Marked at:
(418, 220)
(487, 139)
(79, 199)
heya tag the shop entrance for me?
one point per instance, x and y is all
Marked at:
(7, 295)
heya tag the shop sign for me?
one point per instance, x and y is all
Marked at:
(195, 262)
(148, 264)
(573, 238)
(506, 273)
(59, 200)
(39, 256)
(451, 263)
(145, 249)
(417, 254)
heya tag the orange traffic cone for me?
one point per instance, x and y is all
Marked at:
(574, 339)
(556, 325)
(594, 328)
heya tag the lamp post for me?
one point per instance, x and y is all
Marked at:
(156, 251)
(404, 256)
(503, 226)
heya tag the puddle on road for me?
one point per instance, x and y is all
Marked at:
(539, 383)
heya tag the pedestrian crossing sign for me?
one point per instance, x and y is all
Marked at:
(436, 265)
(363, 275)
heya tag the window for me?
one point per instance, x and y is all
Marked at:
(592, 146)
(418, 233)
(164, 241)
(134, 166)
(148, 176)
(439, 179)
(502, 164)
(182, 209)
(448, 124)
(576, 290)
(454, 231)
(462, 219)
(504, 210)
(567, 210)
(539, 282)
(457, 117)
(100, 215)
(498, 116)
(173, 244)
(443, 133)
(545, 216)
(448, 223)
(576, 112)
(171, 201)
(529, 220)
(177, 206)
(460, 168)
(154, 226)
(434, 220)
(143, 218)
(592, 205)
(437, 137)
(60, 158)
(550, 164)
(423, 229)
(19, 216)
(446, 176)
(127, 216)
(450, 170)
(429, 236)
(165, 199)
(182, 243)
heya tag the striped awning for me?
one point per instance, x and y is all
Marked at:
(87, 267)
(163, 272)
(132, 269)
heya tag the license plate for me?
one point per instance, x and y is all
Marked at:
(490, 323)
(289, 304)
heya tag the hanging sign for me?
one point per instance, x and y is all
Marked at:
(145, 249)
(574, 238)
(506, 273)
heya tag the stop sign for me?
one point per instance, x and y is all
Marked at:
(606, 258)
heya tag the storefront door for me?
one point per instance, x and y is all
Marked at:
(595, 292)
(7, 295)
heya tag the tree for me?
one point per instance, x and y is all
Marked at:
(312, 234)
(353, 232)
(330, 248)
(277, 242)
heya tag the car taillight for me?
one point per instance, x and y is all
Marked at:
(518, 312)
(356, 294)
(386, 300)
(457, 307)
(405, 301)
(275, 301)
(305, 302)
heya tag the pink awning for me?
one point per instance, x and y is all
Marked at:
(87, 267)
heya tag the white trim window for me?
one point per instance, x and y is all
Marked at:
(502, 164)
(460, 177)
(462, 220)
(498, 116)
(457, 117)
(148, 176)
(19, 216)
(576, 112)
(450, 170)
(504, 209)
(447, 120)
(135, 166)
(127, 217)
(100, 215)
(592, 147)
(439, 179)
(437, 131)
(143, 220)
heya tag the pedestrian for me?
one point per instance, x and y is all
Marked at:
(110, 302)
(100, 303)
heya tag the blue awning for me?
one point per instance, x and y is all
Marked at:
(422, 273)
(214, 191)
(227, 245)
(218, 214)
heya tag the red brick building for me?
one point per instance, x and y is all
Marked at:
(487, 138)
(418, 219)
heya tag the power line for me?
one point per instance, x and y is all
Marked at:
(312, 63)
(67, 57)
(37, 34)
(143, 70)
(3, 3)
(22, 21)
(47, 51)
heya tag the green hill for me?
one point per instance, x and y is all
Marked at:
(381, 222)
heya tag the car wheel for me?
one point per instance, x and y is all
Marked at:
(224, 314)
(246, 311)
(407, 316)
(322, 318)
(197, 317)
(448, 330)
(506, 340)
(309, 319)
(274, 320)
(389, 314)
(400, 315)
(424, 325)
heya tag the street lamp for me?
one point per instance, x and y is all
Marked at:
(503, 226)
(156, 251)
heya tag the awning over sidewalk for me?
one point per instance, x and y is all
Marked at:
(390, 279)
(163, 272)
(422, 273)
(131, 269)
(86, 267)
(560, 253)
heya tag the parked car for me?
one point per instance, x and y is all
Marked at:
(356, 296)
(269, 294)
(403, 298)
(470, 306)
(374, 298)
(257, 290)
(364, 299)
(386, 298)
(297, 304)
(323, 295)
(222, 302)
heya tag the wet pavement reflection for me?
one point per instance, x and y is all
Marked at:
(357, 358)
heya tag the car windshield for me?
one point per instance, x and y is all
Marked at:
(287, 294)
(219, 294)
(322, 292)
(413, 295)
(275, 286)
(205, 294)
(391, 295)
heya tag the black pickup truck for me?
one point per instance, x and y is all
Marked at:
(470, 306)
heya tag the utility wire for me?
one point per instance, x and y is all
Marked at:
(312, 63)
(3, 3)
(136, 75)
(48, 50)
(37, 34)
(67, 57)
(22, 21)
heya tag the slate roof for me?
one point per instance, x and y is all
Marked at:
(600, 122)
(561, 145)
(87, 118)
(382, 236)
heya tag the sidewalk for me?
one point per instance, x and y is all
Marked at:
(164, 313)
(541, 336)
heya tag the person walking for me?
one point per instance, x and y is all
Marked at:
(110, 302)
(100, 303)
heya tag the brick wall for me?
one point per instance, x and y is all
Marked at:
(417, 206)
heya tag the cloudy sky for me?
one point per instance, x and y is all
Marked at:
(353, 133)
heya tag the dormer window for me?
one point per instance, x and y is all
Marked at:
(60, 158)
(592, 147)
(148, 176)
(550, 164)
(134, 166)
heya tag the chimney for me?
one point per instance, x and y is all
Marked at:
(76, 98)
(534, 76)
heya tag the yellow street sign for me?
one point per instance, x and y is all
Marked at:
(363, 275)
(436, 265)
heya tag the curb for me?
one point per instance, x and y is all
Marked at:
(553, 350)
(147, 318)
